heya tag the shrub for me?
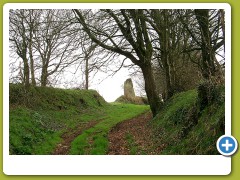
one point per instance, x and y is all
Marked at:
(136, 100)
(210, 92)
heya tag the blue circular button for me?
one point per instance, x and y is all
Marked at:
(227, 145)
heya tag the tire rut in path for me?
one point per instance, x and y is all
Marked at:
(138, 128)
(64, 147)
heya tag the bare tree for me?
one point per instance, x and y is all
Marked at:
(54, 42)
(169, 37)
(45, 40)
(32, 22)
(125, 32)
(18, 37)
(206, 30)
(48, 41)
(88, 49)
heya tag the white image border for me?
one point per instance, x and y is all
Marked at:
(114, 164)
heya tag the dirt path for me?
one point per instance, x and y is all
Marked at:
(132, 137)
(64, 147)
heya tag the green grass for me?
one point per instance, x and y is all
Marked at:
(47, 98)
(202, 138)
(183, 129)
(29, 134)
(94, 140)
(40, 116)
(176, 115)
(133, 148)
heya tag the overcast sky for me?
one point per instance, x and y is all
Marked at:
(112, 87)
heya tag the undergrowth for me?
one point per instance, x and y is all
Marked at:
(184, 126)
(30, 132)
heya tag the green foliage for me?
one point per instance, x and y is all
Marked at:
(29, 133)
(184, 128)
(204, 135)
(209, 93)
(176, 118)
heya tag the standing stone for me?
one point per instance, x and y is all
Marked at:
(128, 89)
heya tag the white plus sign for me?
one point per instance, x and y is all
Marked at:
(227, 145)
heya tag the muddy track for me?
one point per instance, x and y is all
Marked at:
(139, 131)
(64, 147)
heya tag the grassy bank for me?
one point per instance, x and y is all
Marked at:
(189, 123)
(185, 127)
(40, 116)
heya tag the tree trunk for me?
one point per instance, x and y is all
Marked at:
(44, 76)
(223, 24)
(23, 55)
(169, 70)
(26, 73)
(32, 72)
(141, 43)
(166, 50)
(31, 63)
(208, 53)
(169, 75)
(86, 74)
(150, 87)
